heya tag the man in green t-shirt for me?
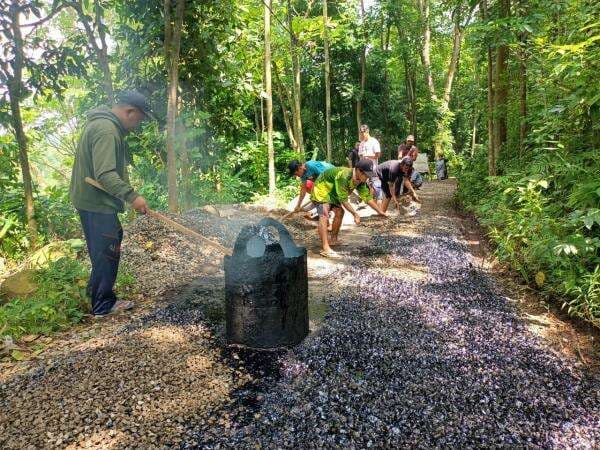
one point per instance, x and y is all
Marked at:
(330, 193)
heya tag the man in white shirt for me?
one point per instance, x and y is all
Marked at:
(369, 148)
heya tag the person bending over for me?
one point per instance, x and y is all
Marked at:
(330, 193)
(310, 170)
(405, 186)
(391, 176)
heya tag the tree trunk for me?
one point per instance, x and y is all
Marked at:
(327, 80)
(186, 164)
(103, 54)
(296, 85)
(474, 133)
(363, 69)
(409, 82)
(385, 45)
(426, 47)
(283, 101)
(490, 101)
(172, 48)
(14, 91)
(501, 90)
(523, 82)
(100, 52)
(522, 103)
(456, 41)
(269, 96)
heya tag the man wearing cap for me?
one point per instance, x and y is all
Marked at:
(102, 155)
(310, 170)
(408, 148)
(330, 193)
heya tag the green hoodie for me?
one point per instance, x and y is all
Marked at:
(101, 155)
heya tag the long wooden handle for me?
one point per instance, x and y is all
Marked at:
(171, 223)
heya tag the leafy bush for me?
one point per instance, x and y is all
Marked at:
(546, 224)
(59, 301)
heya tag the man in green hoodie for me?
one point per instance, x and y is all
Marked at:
(102, 155)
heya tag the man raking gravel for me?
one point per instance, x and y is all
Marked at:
(102, 154)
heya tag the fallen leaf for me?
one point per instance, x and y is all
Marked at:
(540, 277)
(18, 355)
(30, 337)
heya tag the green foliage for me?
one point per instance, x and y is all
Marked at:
(59, 301)
(547, 221)
(57, 219)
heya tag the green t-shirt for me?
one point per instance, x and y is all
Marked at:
(334, 185)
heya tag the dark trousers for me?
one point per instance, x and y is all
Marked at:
(103, 235)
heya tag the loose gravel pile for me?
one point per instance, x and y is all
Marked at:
(164, 260)
(445, 363)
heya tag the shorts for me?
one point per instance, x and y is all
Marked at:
(323, 209)
(416, 179)
(376, 185)
(385, 187)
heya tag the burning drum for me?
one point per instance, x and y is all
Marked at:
(266, 288)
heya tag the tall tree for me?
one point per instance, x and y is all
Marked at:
(457, 36)
(296, 84)
(426, 46)
(16, 94)
(172, 48)
(283, 102)
(501, 88)
(327, 79)
(269, 95)
(385, 46)
(523, 50)
(490, 97)
(363, 67)
(31, 65)
(96, 44)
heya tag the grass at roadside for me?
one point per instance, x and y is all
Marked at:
(59, 301)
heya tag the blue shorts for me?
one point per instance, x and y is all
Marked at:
(376, 184)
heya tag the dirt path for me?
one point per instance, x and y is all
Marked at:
(413, 344)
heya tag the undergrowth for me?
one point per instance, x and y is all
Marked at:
(59, 300)
(543, 216)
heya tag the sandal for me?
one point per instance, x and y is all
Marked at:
(330, 254)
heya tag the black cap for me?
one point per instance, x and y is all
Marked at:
(293, 166)
(367, 166)
(137, 100)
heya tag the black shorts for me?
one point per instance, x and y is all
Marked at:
(385, 187)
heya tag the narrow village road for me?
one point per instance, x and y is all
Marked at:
(413, 345)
